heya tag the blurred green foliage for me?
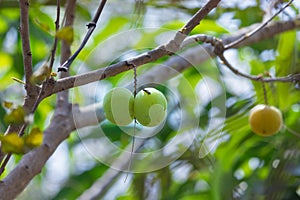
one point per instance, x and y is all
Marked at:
(224, 161)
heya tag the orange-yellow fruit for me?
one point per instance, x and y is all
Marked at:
(265, 120)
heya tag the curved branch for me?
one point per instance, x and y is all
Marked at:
(195, 55)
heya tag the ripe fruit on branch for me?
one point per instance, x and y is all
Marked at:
(265, 120)
(118, 106)
(150, 107)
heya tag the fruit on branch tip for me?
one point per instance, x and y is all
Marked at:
(265, 120)
(118, 106)
(150, 107)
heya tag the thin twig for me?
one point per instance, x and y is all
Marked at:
(247, 35)
(286, 79)
(4, 163)
(91, 27)
(292, 78)
(52, 58)
(53, 51)
(219, 51)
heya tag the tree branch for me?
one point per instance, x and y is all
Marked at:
(195, 56)
(27, 56)
(53, 50)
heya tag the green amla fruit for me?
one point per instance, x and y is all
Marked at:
(150, 107)
(118, 106)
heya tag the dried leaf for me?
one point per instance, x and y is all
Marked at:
(40, 75)
(12, 143)
(7, 104)
(66, 34)
(34, 139)
(15, 116)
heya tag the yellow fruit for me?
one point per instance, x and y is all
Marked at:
(265, 120)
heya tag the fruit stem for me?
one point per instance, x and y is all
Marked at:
(135, 81)
(264, 91)
(146, 91)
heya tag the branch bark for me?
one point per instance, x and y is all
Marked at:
(27, 56)
(195, 56)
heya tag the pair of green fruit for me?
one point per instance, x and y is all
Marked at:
(148, 107)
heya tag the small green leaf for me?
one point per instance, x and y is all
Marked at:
(44, 26)
(209, 26)
(16, 116)
(66, 34)
(12, 143)
(34, 139)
